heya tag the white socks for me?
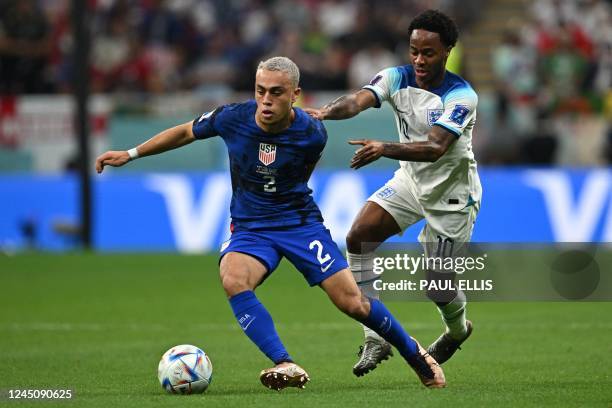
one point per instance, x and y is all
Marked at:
(453, 315)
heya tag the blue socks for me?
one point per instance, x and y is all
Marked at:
(257, 323)
(382, 322)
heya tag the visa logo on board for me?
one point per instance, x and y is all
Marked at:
(580, 213)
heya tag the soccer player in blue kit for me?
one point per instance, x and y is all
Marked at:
(273, 148)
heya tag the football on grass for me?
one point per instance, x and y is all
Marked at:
(185, 369)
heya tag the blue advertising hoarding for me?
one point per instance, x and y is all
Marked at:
(190, 212)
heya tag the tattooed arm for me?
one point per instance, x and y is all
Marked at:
(439, 141)
(345, 106)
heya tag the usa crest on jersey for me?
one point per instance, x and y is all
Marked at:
(267, 153)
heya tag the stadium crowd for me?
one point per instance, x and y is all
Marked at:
(553, 73)
(555, 63)
(204, 45)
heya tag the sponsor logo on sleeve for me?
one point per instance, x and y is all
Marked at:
(459, 114)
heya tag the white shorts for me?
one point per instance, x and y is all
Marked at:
(398, 197)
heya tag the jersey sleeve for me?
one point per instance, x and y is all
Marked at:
(320, 134)
(459, 110)
(385, 84)
(207, 125)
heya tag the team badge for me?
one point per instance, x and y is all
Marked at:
(433, 115)
(459, 114)
(267, 153)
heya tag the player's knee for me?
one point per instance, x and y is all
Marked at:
(233, 283)
(358, 234)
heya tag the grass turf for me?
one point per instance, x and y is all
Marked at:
(98, 325)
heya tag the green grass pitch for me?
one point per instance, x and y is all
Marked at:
(98, 324)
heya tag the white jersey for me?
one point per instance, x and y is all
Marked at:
(451, 183)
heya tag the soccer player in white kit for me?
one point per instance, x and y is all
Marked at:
(435, 112)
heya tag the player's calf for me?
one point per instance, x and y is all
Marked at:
(357, 307)
(345, 295)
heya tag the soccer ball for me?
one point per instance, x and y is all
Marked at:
(185, 369)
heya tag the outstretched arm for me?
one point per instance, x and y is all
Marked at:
(167, 140)
(438, 142)
(345, 106)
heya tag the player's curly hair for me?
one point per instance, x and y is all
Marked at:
(436, 22)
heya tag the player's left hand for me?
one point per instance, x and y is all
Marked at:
(371, 151)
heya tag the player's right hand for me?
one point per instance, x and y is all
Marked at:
(112, 158)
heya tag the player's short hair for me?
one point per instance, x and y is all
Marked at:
(282, 64)
(436, 22)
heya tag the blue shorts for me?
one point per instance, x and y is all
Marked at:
(309, 248)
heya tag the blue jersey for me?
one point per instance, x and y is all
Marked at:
(270, 171)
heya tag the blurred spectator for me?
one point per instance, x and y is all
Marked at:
(24, 48)
(257, 25)
(113, 48)
(291, 44)
(603, 75)
(315, 42)
(548, 13)
(162, 34)
(337, 17)
(201, 13)
(292, 14)
(602, 35)
(515, 71)
(160, 25)
(217, 72)
(368, 61)
(330, 74)
(563, 73)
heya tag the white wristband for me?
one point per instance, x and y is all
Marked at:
(133, 153)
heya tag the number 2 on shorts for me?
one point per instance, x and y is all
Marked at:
(322, 259)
